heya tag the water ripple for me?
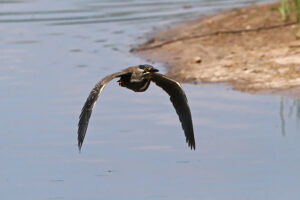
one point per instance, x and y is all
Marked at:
(108, 12)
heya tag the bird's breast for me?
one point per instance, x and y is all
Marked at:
(136, 85)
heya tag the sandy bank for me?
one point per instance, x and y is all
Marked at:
(251, 48)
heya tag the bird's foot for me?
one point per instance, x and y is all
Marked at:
(120, 83)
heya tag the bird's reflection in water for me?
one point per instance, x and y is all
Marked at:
(289, 108)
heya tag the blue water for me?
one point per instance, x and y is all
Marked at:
(51, 55)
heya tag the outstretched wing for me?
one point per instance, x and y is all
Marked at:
(89, 104)
(180, 103)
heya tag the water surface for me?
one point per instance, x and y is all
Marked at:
(51, 55)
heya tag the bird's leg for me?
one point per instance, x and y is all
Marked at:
(120, 82)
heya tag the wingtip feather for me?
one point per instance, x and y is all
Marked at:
(192, 146)
(79, 146)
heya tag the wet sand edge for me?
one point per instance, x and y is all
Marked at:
(250, 48)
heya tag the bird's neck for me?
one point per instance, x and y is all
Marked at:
(137, 77)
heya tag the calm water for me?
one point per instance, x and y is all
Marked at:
(51, 55)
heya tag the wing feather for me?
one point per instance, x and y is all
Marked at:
(89, 104)
(180, 103)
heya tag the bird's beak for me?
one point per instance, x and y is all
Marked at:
(154, 70)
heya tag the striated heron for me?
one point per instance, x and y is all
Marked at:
(138, 79)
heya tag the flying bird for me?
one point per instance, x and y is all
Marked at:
(138, 79)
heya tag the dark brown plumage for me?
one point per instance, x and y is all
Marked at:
(138, 79)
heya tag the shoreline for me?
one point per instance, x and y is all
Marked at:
(249, 48)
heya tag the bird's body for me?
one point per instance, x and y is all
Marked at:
(135, 80)
(138, 79)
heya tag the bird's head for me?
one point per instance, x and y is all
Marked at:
(147, 68)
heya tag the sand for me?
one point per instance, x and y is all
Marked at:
(250, 48)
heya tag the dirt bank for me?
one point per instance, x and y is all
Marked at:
(250, 48)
